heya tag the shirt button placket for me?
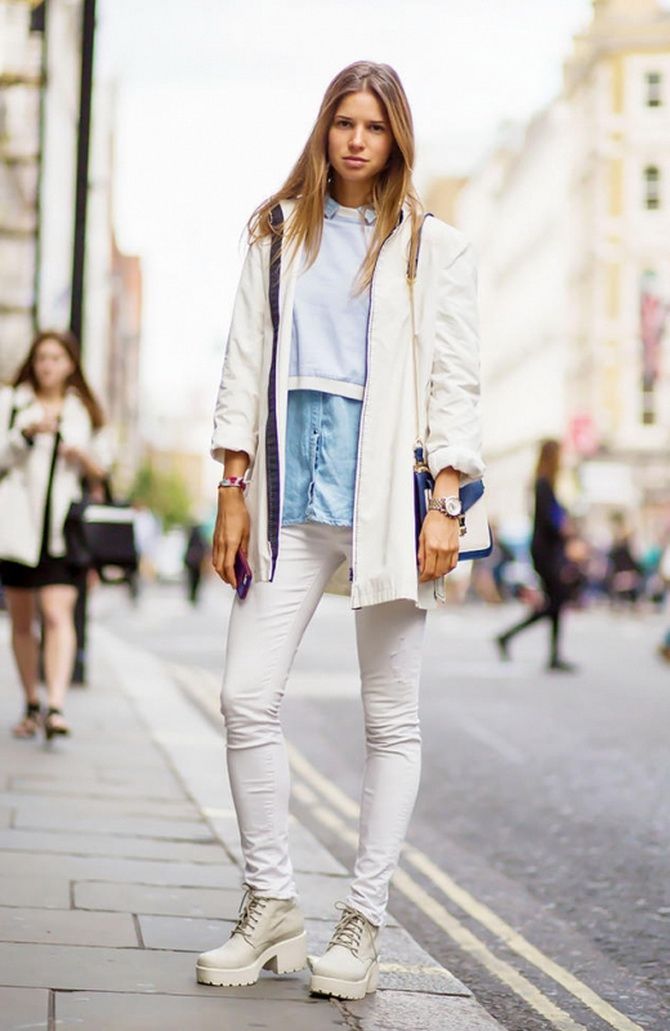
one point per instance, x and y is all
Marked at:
(316, 417)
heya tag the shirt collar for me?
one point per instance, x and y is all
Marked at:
(332, 207)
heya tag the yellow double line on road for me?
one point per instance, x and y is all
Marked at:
(313, 789)
(460, 934)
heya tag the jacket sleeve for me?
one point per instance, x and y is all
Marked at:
(236, 415)
(13, 445)
(454, 429)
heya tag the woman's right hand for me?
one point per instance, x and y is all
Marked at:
(231, 533)
(48, 424)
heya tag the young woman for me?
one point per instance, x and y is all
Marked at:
(51, 438)
(550, 534)
(316, 418)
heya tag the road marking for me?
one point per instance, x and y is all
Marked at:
(517, 942)
(464, 938)
(481, 913)
(468, 903)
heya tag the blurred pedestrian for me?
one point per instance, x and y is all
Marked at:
(51, 439)
(625, 573)
(318, 396)
(557, 573)
(194, 556)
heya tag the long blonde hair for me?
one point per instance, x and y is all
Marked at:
(307, 183)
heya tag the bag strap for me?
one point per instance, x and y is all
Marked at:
(412, 266)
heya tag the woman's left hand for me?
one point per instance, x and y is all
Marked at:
(71, 454)
(438, 546)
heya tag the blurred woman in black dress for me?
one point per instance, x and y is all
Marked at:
(52, 439)
(547, 549)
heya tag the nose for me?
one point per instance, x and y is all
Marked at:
(356, 139)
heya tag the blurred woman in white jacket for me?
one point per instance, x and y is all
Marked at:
(315, 424)
(51, 439)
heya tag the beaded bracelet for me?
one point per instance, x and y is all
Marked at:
(233, 481)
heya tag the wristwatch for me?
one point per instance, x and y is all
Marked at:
(451, 507)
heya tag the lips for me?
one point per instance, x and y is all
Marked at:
(356, 162)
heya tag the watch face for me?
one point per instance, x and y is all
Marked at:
(453, 506)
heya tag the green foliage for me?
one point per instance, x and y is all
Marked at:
(165, 493)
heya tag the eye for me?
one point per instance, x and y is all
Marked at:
(378, 127)
(343, 123)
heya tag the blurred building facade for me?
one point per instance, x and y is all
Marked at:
(570, 218)
(20, 85)
(40, 64)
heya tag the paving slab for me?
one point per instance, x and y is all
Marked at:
(137, 871)
(317, 898)
(183, 933)
(76, 968)
(406, 1011)
(130, 789)
(23, 1008)
(43, 891)
(165, 901)
(174, 1013)
(113, 845)
(66, 806)
(68, 927)
(176, 830)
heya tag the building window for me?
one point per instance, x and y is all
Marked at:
(653, 94)
(652, 188)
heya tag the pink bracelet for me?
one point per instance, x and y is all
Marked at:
(233, 481)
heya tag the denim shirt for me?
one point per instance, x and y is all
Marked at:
(321, 457)
(327, 376)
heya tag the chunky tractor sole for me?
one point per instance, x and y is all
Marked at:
(284, 957)
(341, 989)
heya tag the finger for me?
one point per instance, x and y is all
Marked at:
(421, 554)
(218, 556)
(229, 562)
(430, 563)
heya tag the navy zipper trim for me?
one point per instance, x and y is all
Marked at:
(271, 431)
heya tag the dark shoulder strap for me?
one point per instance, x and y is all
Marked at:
(271, 429)
(277, 223)
(413, 263)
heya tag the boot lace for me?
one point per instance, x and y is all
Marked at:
(349, 929)
(250, 910)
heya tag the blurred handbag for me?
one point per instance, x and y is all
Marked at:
(475, 539)
(101, 536)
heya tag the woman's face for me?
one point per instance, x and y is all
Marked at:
(52, 365)
(360, 139)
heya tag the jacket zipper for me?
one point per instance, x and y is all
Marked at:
(354, 535)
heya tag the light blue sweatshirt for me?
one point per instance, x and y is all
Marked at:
(327, 373)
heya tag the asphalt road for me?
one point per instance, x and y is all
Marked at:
(543, 820)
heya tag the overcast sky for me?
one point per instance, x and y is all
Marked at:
(217, 97)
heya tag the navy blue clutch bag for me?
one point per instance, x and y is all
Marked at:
(475, 539)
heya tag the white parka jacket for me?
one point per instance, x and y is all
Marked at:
(251, 406)
(25, 468)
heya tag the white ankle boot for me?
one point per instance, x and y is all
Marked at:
(349, 968)
(269, 933)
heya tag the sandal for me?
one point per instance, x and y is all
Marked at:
(54, 724)
(30, 724)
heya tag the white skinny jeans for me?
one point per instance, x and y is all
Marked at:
(263, 636)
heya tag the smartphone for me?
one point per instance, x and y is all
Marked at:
(243, 575)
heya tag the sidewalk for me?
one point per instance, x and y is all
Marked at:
(119, 862)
